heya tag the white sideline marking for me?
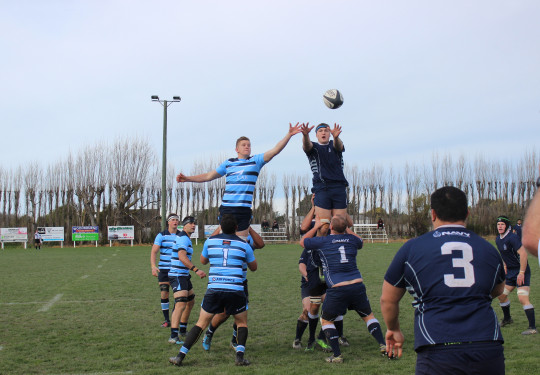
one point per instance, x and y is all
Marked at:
(1, 347)
(84, 276)
(49, 304)
(102, 373)
(101, 265)
(85, 301)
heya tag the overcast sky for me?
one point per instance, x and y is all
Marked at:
(417, 77)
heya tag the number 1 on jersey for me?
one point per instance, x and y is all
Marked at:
(343, 257)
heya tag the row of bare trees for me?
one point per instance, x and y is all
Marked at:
(120, 184)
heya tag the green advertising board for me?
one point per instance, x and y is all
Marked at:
(85, 233)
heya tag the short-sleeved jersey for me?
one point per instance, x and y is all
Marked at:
(312, 269)
(241, 176)
(182, 243)
(227, 254)
(326, 164)
(165, 240)
(450, 272)
(518, 231)
(336, 254)
(508, 246)
(249, 240)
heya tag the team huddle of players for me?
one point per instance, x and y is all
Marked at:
(452, 273)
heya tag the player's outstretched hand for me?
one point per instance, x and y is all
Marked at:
(336, 131)
(306, 128)
(294, 129)
(181, 178)
(394, 343)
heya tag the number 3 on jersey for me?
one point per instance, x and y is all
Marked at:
(463, 262)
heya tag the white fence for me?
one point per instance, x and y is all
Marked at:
(371, 232)
(275, 236)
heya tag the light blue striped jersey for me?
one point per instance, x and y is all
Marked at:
(241, 176)
(227, 254)
(183, 242)
(165, 240)
(252, 244)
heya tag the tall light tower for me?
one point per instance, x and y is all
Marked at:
(165, 104)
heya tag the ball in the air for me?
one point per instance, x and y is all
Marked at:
(333, 99)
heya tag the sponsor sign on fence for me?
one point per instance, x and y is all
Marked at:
(51, 233)
(89, 233)
(14, 234)
(126, 232)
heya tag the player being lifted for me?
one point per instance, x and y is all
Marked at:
(241, 176)
(326, 162)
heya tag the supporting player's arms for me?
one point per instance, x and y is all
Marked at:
(252, 266)
(303, 270)
(258, 242)
(311, 233)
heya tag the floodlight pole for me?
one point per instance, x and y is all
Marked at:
(164, 171)
(165, 104)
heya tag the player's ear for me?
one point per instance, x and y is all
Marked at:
(433, 215)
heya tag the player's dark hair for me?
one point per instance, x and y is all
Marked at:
(241, 139)
(188, 220)
(449, 204)
(228, 224)
(339, 224)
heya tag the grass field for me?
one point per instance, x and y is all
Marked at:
(96, 311)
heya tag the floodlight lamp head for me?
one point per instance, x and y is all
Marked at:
(155, 97)
(176, 98)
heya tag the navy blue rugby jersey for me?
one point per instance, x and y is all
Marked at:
(508, 247)
(450, 272)
(312, 269)
(337, 255)
(326, 164)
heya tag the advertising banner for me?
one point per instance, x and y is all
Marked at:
(14, 234)
(85, 233)
(126, 232)
(51, 233)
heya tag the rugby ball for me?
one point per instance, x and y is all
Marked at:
(333, 99)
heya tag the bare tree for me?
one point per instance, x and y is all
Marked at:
(130, 165)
